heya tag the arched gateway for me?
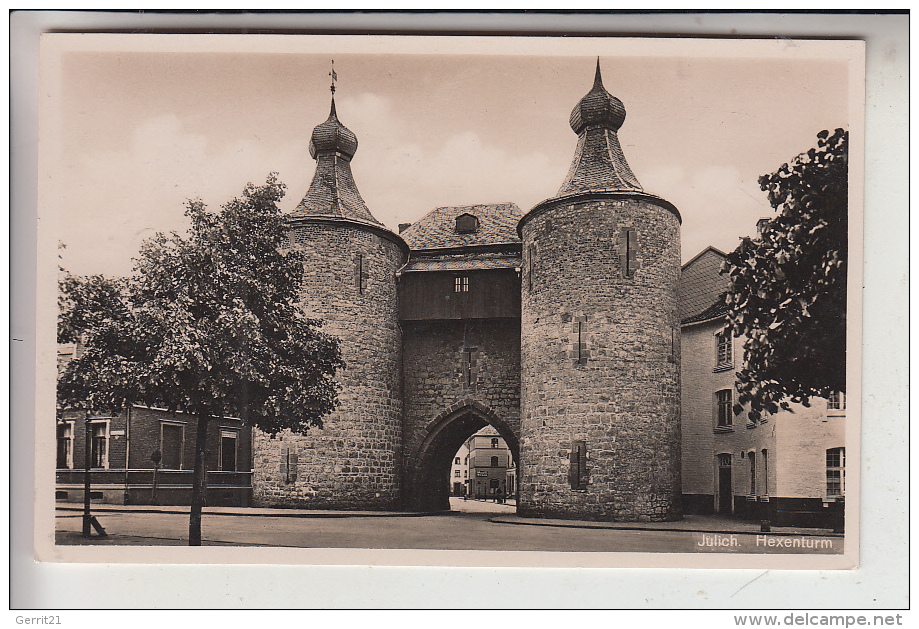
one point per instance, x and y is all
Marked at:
(428, 486)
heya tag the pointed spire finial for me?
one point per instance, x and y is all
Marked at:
(598, 80)
(335, 78)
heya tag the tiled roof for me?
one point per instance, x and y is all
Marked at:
(715, 311)
(466, 262)
(701, 284)
(599, 163)
(437, 230)
(333, 192)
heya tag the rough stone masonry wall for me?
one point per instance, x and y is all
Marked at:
(353, 462)
(624, 401)
(434, 379)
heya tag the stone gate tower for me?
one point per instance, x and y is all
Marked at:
(600, 391)
(350, 263)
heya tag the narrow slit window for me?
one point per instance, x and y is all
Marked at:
(470, 368)
(289, 463)
(578, 352)
(628, 252)
(577, 473)
(359, 272)
(531, 266)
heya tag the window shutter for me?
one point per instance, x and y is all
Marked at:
(284, 462)
(292, 465)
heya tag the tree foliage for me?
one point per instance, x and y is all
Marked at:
(209, 324)
(788, 285)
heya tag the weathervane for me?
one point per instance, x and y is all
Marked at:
(334, 77)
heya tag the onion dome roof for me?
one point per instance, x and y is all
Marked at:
(598, 107)
(598, 164)
(331, 136)
(333, 192)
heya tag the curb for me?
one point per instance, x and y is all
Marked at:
(280, 514)
(580, 524)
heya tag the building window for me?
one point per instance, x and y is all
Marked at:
(836, 401)
(494, 442)
(288, 463)
(456, 461)
(467, 224)
(725, 355)
(466, 460)
(752, 458)
(465, 473)
(494, 461)
(359, 272)
(765, 486)
(725, 410)
(228, 450)
(65, 445)
(577, 470)
(835, 472)
(724, 460)
(99, 444)
(461, 284)
(172, 445)
(470, 368)
(578, 352)
(456, 473)
(628, 252)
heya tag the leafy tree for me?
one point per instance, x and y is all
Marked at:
(788, 285)
(209, 324)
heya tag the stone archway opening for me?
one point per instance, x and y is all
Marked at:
(430, 474)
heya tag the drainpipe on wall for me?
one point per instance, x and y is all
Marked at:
(127, 451)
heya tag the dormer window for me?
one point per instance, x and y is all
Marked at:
(467, 224)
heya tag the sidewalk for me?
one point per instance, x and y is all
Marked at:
(690, 523)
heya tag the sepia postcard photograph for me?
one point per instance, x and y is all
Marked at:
(449, 301)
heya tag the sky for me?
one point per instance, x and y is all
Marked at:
(128, 134)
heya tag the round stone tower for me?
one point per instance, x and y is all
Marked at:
(349, 282)
(600, 389)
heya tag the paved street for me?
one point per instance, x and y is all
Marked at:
(470, 529)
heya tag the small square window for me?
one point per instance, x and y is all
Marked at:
(461, 284)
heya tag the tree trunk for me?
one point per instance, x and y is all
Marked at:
(197, 491)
